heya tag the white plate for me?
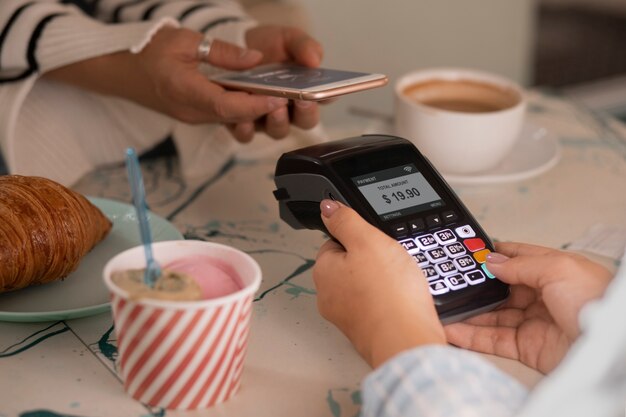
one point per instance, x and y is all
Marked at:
(535, 152)
(83, 293)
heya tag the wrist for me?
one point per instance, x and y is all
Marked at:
(103, 74)
(117, 74)
(388, 338)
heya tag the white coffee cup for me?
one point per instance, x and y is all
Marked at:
(464, 121)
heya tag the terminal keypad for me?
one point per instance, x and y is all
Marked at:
(451, 259)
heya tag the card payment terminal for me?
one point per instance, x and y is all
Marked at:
(395, 188)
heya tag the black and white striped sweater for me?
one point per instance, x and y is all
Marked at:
(60, 132)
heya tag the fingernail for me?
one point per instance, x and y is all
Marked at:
(497, 258)
(328, 207)
(276, 102)
(250, 54)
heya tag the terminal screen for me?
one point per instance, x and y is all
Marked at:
(397, 192)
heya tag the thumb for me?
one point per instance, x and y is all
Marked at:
(232, 57)
(303, 48)
(532, 271)
(345, 224)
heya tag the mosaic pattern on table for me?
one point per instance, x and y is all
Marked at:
(586, 137)
(168, 195)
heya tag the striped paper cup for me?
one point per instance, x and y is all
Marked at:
(182, 355)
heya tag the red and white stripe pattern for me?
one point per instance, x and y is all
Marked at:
(181, 358)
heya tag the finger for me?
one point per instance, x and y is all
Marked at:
(508, 317)
(305, 114)
(327, 257)
(512, 311)
(277, 123)
(225, 106)
(512, 249)
(229, 56)
(304, 49)
(521, 297)
(243, 132)
(534, 271)
(236, 106)
(330, 247)
(524, 299)
(348, 227)
(500, 341)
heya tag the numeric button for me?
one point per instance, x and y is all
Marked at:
(430, 273)
(456, 282)
(436, 255)
(445, 268)
(445, 236)
(464, 263)
(426, 242)
(420, 258)
(409, 245)
(454, 250)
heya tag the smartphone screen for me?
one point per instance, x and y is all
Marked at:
(300, 82)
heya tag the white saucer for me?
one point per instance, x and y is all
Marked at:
(536, 151)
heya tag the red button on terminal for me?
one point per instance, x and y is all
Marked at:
(474, 244)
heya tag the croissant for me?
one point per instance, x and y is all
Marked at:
(45, 230)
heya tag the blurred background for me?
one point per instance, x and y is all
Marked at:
(573, 47)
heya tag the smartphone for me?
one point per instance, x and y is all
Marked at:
(395, 188)
(301, 83)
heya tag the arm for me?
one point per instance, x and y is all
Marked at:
(221, 19)
(21, 24)
(38, 35)
(164, 76)
(226, 20)
(147, 63)
(440, 381)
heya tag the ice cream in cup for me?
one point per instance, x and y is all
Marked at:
(181, 344)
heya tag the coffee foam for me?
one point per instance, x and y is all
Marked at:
(462, 95)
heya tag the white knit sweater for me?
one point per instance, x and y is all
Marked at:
(61, 132)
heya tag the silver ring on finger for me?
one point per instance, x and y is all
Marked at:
(204, 49)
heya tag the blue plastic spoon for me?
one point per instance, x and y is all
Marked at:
(153, 269)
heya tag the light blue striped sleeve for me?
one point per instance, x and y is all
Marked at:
(440, 381)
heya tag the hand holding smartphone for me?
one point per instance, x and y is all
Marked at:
(300, 83)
